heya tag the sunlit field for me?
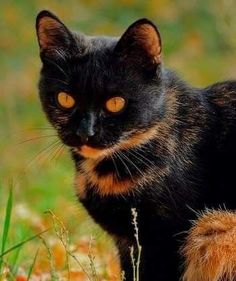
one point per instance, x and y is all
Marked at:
(36, 173)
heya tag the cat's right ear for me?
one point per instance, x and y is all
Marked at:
(52, 34)
(140, 45)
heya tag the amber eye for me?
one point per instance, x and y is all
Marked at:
(65, 100)
(115, 104)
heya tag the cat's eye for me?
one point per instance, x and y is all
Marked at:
(115, 104)
(65, 100)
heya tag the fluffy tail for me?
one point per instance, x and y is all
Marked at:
(210, 249)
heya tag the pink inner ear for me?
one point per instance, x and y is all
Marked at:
(46, 32)
(147, 38)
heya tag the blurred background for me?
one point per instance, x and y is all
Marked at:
(199, 43)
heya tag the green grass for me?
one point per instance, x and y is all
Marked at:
(7, 221)
(11, 258)
(12, 264)
(6, 226)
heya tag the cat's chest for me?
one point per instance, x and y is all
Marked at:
(100, 195)
(105, 183)
(110, 190)
(120, 175)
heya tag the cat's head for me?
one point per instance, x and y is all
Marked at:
(100, 93)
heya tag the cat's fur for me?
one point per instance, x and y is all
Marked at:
(171, 151)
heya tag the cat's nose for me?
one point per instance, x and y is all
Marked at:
(85, 136)
(86, 131)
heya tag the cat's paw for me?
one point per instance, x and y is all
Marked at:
(210, 249)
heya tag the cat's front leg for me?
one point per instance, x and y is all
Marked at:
(159, 262)
(124, 249)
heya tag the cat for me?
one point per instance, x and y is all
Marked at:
(140, 138)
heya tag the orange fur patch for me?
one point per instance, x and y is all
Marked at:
(210, 251)
(137, 139)
(110, 184)
(105, 185)
(90, 152)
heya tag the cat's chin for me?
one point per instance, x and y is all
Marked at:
(91, 152)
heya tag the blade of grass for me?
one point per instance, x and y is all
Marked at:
(7, 220)
(15, 259)
(6, 225)
(16, 253)
(32, 266)
(22, 243)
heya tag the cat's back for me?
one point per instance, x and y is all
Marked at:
(222, 96)
(222, 103)
(221, 149)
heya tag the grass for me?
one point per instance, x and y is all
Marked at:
(72, 266)
(135, 260)
(32, 266)
(7, 269)
(6, 223)
(197, 43)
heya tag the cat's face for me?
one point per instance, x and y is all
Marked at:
(100, 93)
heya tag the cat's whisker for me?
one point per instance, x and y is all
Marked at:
(43, 129)
(169, 194)
(114, 162)
(135, 153)
(39, 128)
(61, 151)
(43, 151)
(35, 138)
(148, 164)
(58, 152)
(123, 162)
(134, 165)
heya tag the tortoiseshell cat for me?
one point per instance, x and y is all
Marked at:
(140, 138)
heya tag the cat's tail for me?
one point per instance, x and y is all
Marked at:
(210, 249)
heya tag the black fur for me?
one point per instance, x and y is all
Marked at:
(191, 159)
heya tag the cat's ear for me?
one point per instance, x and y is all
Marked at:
(141, 43)
(52, 33)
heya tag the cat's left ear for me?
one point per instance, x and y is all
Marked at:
(52, 33)
(141, 43)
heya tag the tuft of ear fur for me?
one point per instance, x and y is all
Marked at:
(141, 43)
(210, 249)
(52, 33)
